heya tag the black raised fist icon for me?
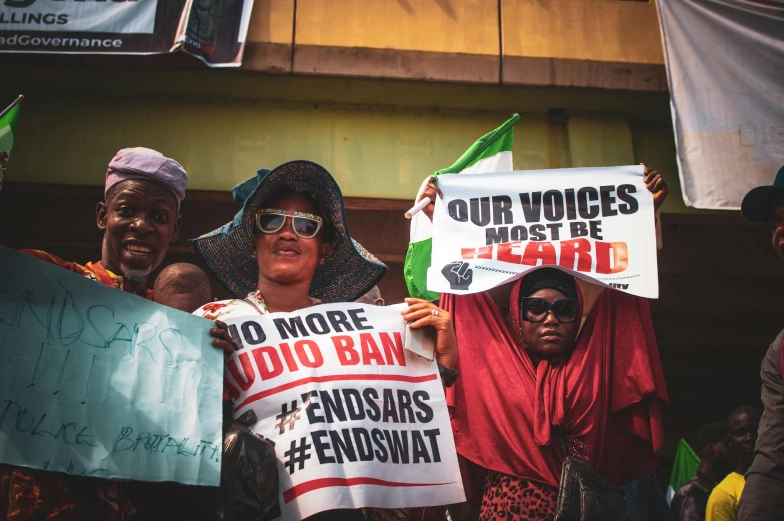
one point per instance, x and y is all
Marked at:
(459, 274)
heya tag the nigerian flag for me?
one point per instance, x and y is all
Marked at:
(491, 153)
(8, 119)
(683, 469)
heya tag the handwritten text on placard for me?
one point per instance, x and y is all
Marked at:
(96, 381)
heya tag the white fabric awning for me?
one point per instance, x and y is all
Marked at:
(725, 66)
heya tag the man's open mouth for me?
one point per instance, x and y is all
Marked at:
(138, 249)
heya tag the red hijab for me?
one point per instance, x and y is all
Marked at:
(605, 396)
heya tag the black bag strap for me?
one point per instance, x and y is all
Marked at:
(561, 441)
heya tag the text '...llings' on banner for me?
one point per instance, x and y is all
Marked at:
(357, 421)
(597, 223)
(97, 382)
(212, 30)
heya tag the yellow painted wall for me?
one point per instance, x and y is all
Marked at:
(448, 26)
(601, 30)
(371, 153)
(596, 140)
(378, 138)
(271, 21)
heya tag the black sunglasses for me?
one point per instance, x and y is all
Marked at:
(535, 309)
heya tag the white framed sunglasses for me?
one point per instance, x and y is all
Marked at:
(272, 220)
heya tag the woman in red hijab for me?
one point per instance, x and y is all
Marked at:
(552, 358)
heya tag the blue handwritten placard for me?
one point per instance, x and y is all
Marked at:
(99, 382)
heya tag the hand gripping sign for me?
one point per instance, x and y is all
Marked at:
(357, 421)
(597, 223)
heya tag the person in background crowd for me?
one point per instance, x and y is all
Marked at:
(289, 248)
(723, 502)
(182, 286)
(526, 377)
(716, 461)
(139, 218)
(763, 498)
(372, 297)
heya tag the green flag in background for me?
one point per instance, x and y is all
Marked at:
(491, 153)
(7, 125)
(683, 469)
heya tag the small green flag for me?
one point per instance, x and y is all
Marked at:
(491, 153)
(683, 468)
(7, 128)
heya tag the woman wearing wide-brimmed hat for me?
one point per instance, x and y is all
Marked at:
(289, 248)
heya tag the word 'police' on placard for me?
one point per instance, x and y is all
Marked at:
(97, 382)
(357, 421)
(598, 223)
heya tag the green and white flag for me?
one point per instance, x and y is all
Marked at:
(491, 153)
(683, 468)
(8, 121)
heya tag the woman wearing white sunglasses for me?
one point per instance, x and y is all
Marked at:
(289, 249)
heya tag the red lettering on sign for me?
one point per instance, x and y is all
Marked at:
(370, 351)
(393, 350)
(246, 379)
(483, 252)
(505, 252)
(288, 357)
(579, 250)
(536, 251)
(620, 257)
(575, 254)
(309, 353)
(344, 347)
(269, 366)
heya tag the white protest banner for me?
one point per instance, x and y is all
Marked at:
(98, 382)
(724, 68)
(212, 30)
(136, 17)
(598, 223)
(357, 421)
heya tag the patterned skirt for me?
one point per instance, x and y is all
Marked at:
(508, 498)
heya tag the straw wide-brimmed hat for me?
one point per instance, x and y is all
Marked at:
(348, 272)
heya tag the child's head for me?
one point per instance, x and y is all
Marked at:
(372, 297)
(182, 286)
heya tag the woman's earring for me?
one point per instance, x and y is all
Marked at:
(321, 261)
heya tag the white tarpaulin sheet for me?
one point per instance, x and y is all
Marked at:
(725, 64)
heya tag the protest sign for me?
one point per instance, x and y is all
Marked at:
(597, 223)
(212, 30)
(356, 420)
(98, 382)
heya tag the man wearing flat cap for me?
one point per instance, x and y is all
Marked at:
(763, 494)
(140, 219)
